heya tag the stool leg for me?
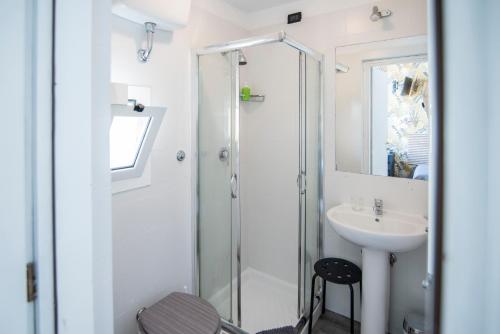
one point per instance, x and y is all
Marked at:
(323, 308)
(311, 307)
(352, 308)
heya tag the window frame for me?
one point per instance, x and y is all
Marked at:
(156, 116)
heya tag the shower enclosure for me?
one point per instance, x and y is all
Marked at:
(259, 179)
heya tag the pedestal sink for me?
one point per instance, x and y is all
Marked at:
(379, 236)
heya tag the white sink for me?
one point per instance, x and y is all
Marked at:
(379, 236)
(392, 232)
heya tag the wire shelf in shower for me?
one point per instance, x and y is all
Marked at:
(254, 98)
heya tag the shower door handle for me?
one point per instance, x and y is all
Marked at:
(301, 183)
(234, 186)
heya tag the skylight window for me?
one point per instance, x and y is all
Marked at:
(131, 139)
(126, 137)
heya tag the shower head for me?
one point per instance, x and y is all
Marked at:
(242, 60)
(379, 14)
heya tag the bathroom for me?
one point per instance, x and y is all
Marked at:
(169, 76)
(233, 151)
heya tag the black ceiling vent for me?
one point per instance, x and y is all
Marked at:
(295, 17)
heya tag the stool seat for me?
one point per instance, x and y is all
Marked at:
(338, 271)
(179, 313)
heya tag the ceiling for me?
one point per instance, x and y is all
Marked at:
(256, 5)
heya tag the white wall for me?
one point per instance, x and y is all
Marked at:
(471, 218)
(269, 159)
(82, 184)
(324, 33)
(277, 14)
(493, 302)
(152, 236)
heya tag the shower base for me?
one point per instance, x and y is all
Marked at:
(266, 302)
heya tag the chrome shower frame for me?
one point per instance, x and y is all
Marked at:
(280, 37)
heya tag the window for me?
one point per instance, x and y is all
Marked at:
(131, 139)
(126, 138)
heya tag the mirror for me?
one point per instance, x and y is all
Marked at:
(382, 108)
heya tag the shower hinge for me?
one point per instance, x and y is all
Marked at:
(31, 282)
(301, 183)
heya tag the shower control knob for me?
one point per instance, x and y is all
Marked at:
(223, 154)
(181, 155)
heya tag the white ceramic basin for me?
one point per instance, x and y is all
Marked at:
(379, 236)
(392, 232)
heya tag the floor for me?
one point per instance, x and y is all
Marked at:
(330, 323)
(333, 323)
(267, 302)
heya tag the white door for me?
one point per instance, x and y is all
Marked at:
(21, 143)
(16, 234)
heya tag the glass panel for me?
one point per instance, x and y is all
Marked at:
(125, 139)
(312, 152)
(235, 195)
(269, 165)
(214, 175)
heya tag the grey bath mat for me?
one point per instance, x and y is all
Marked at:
(282, 330)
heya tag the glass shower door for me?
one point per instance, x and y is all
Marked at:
(216, 181)
(219, 222)
(312, 93)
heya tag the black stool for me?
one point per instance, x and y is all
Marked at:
(336, 271)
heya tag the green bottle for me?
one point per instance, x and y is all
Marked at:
(245, 93)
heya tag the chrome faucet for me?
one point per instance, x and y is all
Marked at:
(378, 207)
